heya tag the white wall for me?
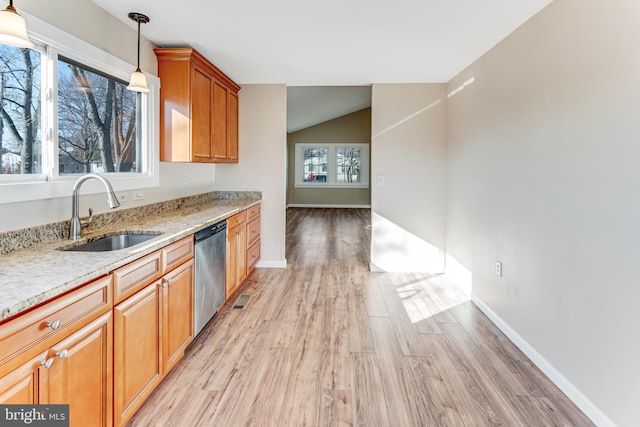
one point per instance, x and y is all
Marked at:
(543, 175)
(408, 148)
(262, 165)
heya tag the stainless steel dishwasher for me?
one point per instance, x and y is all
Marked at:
(210, 275)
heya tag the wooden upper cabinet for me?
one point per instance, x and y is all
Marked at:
(201, 112)
(232, 134)
(198, 109)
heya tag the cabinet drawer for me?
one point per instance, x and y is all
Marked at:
(129, 279)
(237, 219)
(41, 327)
(253, 231)
(253, 211)
(253, 256)
(177, 253)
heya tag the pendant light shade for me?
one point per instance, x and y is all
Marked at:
(138, 82)
(13, 29)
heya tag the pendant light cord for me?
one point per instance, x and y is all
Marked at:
(138, 42)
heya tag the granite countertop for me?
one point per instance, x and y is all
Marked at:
(33, 275)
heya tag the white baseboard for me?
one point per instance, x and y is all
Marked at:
(272, 263)
(301, 205)
(589, 408)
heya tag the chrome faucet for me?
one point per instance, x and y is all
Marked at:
(76, 226)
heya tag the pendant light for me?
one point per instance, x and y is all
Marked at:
(13, 29)
(138, 82)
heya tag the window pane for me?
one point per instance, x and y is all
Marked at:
(96, 122)
(315, 165)
(20, 107)
(348, 162)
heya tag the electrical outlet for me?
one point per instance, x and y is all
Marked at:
(380, 179)
(138, 195)
(185, 181)
(498, 269)
(122, 197)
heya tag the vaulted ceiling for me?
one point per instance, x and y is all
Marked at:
(332, 42)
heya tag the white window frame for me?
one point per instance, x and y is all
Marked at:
(332, 167)
(49, 184)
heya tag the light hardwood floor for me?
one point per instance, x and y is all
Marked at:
(326, 342)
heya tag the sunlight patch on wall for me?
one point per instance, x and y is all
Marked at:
(461, 87)
(407, 118)
(395, 249)
(458, 274)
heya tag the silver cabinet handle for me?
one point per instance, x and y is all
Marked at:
(54, 325)
(62, 354)
(47, 363)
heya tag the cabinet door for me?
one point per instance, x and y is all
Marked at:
(81, 374)
(241, 256)
(236, 257)
(232, 255)
(22, 385)
(233, 127)
(220, 111)
(137, 367)
(177, 301)
(201, 115)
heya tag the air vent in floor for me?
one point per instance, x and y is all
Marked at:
(241, 302)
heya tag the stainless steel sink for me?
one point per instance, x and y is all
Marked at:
(111, 242)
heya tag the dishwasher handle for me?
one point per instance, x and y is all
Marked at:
(212, 230)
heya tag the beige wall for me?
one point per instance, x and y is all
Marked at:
(263, 145)
(543, 175)
(350, 128)
(408, 141)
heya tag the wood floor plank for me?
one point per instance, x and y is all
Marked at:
(335, 408)
(468, 396)
(428, 394)
(369, 405)
(498, 390)
(301, 396)
(327, 342)
(267, 406)
(390, 359)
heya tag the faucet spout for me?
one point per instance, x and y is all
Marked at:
(75, 231)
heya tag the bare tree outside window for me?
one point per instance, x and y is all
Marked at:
(348, 161)
(20, 110)
(96, 122)
(315, 165)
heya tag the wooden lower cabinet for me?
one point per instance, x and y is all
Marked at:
(137, 366)
(80, 374)
(152, 329)
(177, 314)
(236, 252)
(22, 385)
(75, 371)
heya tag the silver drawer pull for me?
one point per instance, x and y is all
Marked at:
(62, 354)
(54, 325)
(47, 363)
